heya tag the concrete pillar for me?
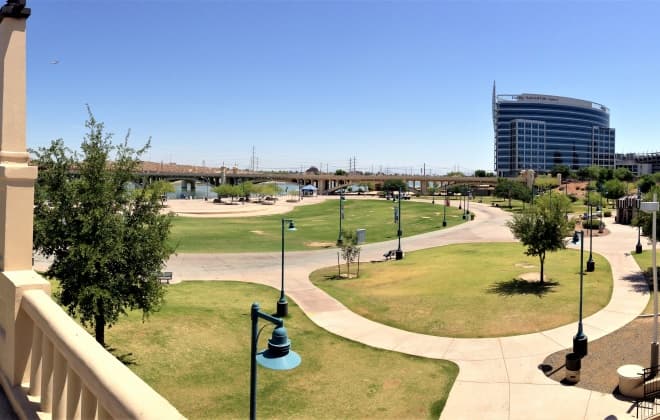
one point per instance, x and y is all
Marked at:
(16, 177)
(16, 199)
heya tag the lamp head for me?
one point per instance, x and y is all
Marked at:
(279, 356)
(292, 226)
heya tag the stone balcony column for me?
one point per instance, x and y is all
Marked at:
(16, 177)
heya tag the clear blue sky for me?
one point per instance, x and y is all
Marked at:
(395, 84)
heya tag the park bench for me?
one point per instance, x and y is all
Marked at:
(390, 254)
(165, 277)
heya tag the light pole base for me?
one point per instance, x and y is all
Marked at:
(340, 242)
(580, 345)
(399, 254)
(282, 308)
(591, 266)
(444, 223)
(654, 358)
(638, 249)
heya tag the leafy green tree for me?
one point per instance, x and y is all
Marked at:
(226, 190)
(511, 189)
(645, 183)
(645, 220)
(614, 189)
(268, 188)
(623, 174)
(340, 172)
(350, 251)
(455, 173)
(480, 173)
(108, 243)
(543, 227)
(394, 185)
(564, 170)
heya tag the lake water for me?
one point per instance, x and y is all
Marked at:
(205, 190)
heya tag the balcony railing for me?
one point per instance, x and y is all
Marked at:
(67, 374)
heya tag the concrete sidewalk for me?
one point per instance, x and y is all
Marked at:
(499, 377)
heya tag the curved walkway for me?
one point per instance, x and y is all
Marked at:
(499, 377)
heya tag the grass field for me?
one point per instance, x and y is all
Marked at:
(644, 262)
(196, 353)
(317, 226)
(471, 290)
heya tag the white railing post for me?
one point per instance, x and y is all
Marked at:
(88, 404)
(46, 375)
(35, 363)
(73, 396)
(59, 386)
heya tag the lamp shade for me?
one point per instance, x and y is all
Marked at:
(292, 226)
(279, 356)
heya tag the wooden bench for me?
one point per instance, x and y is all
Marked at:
(390, 254)
(165, 277)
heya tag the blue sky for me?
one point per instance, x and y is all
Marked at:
(395, 84)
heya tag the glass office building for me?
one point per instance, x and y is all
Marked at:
(539, 132)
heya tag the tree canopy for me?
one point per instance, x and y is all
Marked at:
(108, 243)
(394, 185)
(543, 227)
(511, 189)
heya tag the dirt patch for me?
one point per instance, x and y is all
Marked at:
(531, 277)
(257, 232)
(320, 244)
(525, 265)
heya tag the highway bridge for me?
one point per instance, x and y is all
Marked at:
(325, 182)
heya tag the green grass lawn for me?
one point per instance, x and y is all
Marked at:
(470, 290)
(644, 262)
(317, 226)
(196, 353)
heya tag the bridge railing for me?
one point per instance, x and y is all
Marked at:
(56, 367)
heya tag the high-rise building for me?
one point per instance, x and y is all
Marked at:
(538, 132)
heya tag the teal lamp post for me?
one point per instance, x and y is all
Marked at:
(580, 341)
(591, 264)
(444, 210)
(340, 238)
(282, 304)
(278, 356)
(399, 253)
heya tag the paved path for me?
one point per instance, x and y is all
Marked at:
(499, 377)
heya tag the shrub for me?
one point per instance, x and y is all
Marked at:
(595, 224)
(607, 213)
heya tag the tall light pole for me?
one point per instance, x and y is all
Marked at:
(278, 356)
(399, 252)
(444, 210)
(638, 247)
(282, 304)
(652, 207)
(580, 341)
(340, 238)
(591, 264)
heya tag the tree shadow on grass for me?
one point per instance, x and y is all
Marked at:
(127, 358)
(522, 287)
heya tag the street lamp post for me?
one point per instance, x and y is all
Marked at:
(653, 207)
(444, 210)
(399, 252)
(282, 304)
(340, 238)
(591, 264)
(580, 341)
(278, 356)
(638, 247)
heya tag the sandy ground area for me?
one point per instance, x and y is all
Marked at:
(201, 208)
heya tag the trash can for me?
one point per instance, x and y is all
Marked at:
(361, 235)
(573, 365)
